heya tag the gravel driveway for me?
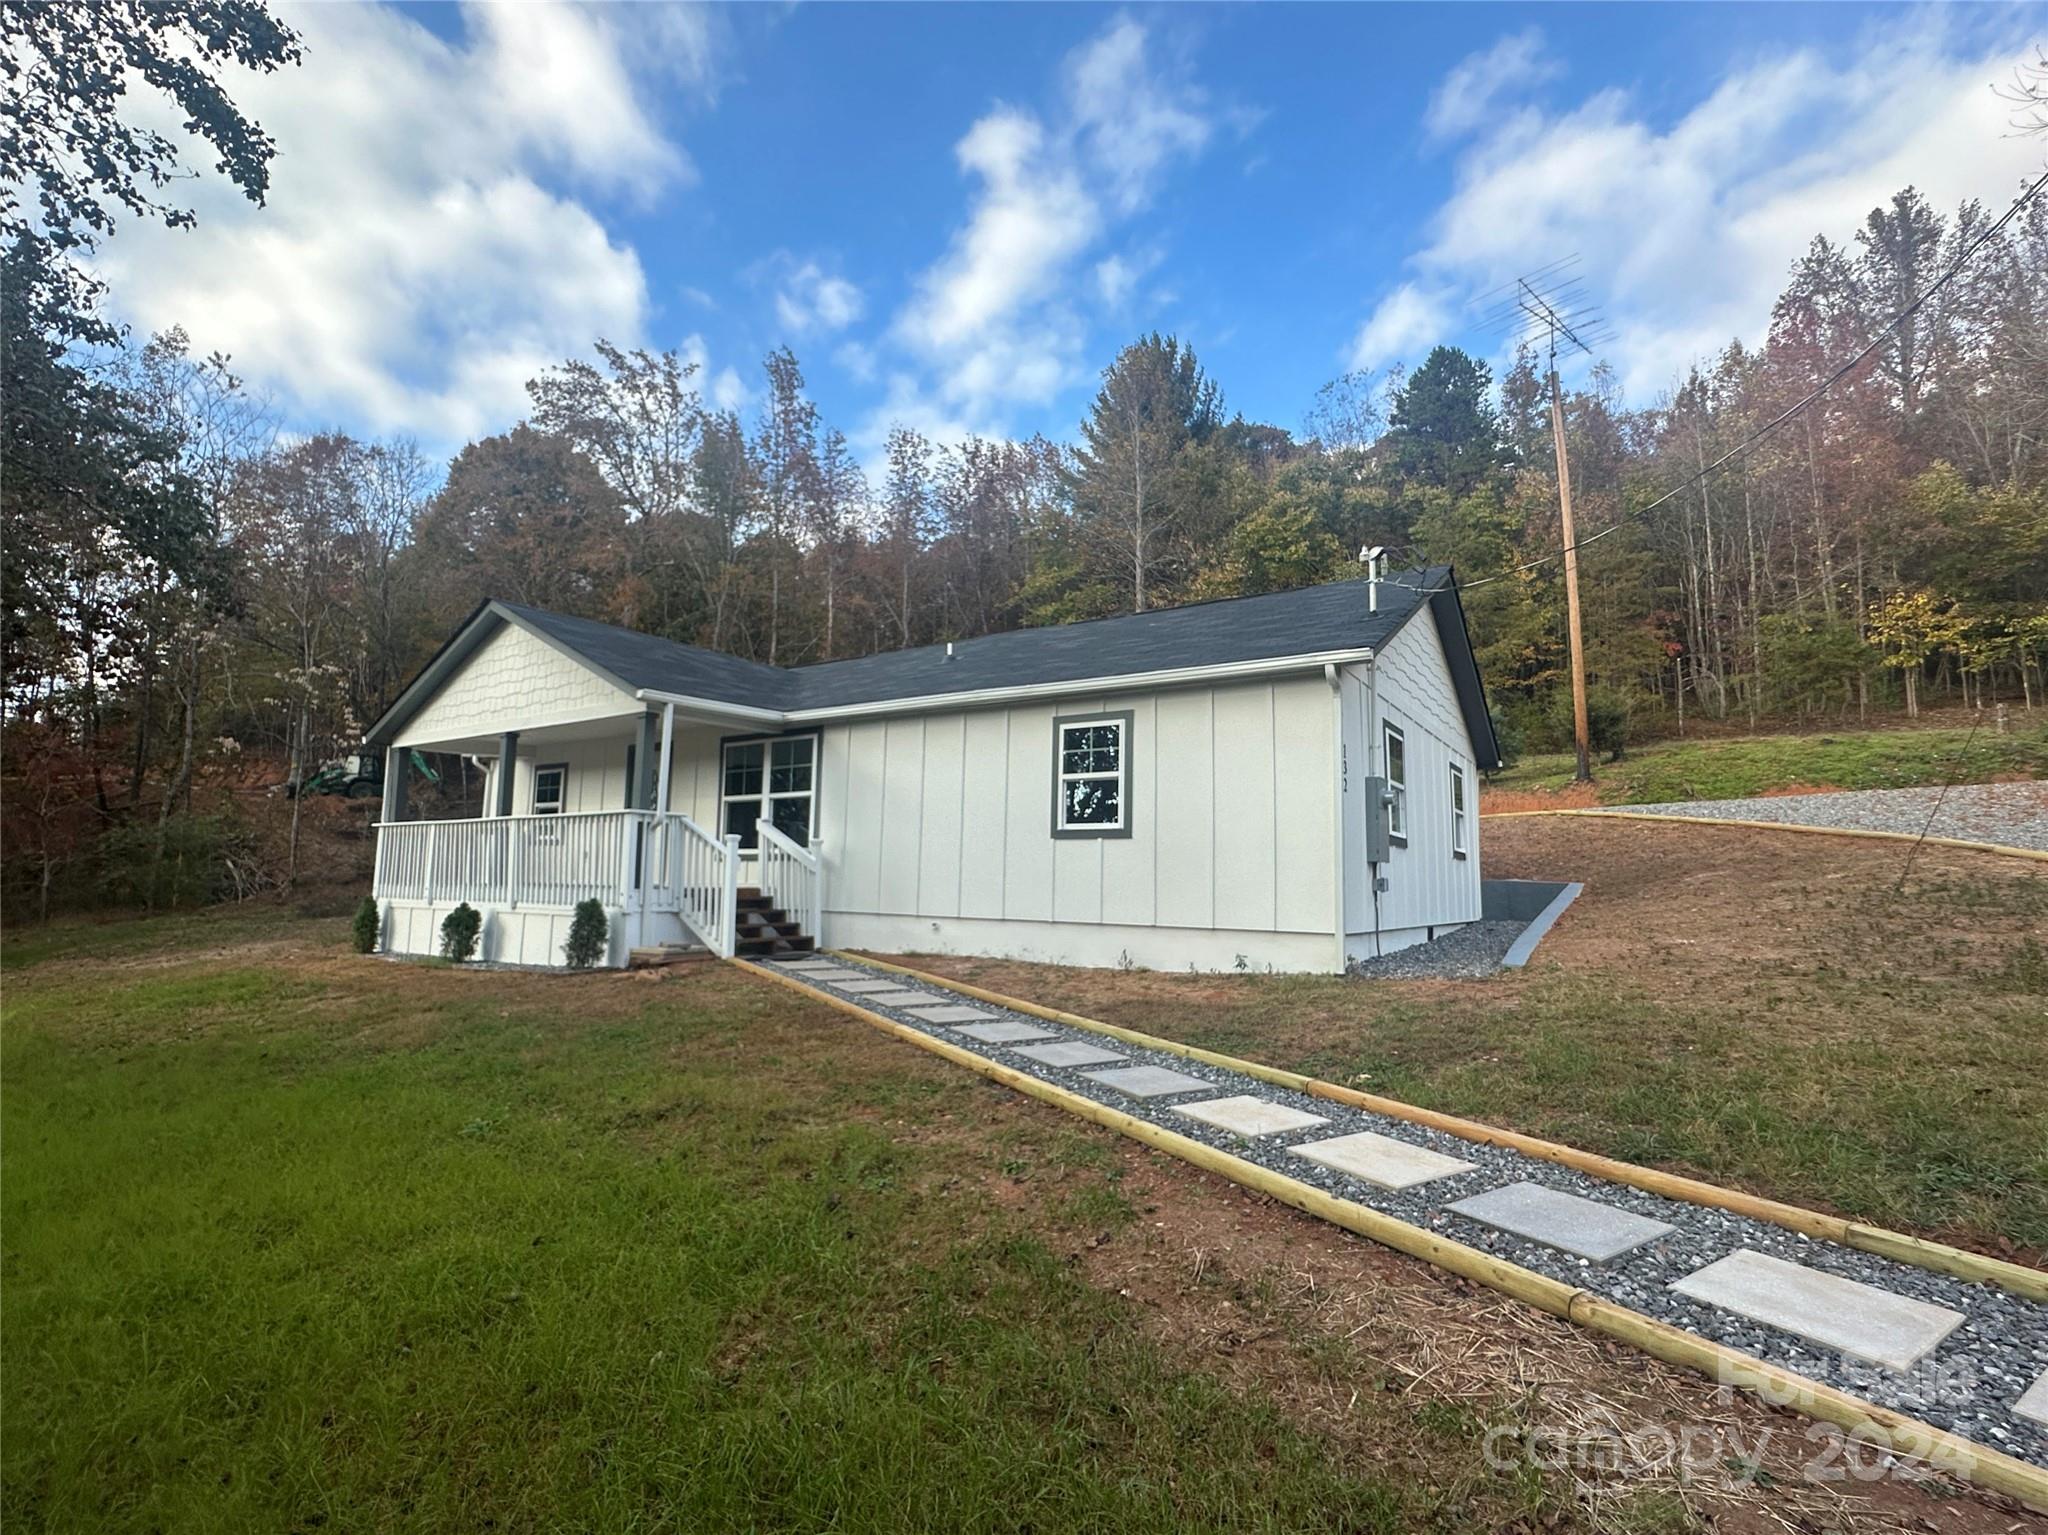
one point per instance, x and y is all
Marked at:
(2015, 814)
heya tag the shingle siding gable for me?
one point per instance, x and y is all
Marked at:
(551, 689)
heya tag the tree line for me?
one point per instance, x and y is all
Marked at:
(200, 607)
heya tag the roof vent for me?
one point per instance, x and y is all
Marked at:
(1374, 556)
(949, 650)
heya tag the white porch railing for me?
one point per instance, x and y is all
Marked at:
(631, 860)
(702, 878)
(791, 878)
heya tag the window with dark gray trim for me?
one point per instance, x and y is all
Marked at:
(1457, 810)
(1091, 794)
(1397, 784)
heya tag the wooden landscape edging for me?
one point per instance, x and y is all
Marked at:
(1937, 1256)
(2003, 849)
(1867, 1422)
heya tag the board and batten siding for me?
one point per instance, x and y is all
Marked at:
(1429, 889)
(514, 681)
(937, 832)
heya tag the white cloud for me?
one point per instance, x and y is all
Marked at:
(1405, 320)
(1688, 231)
(426, 245)
(858, 361)
(1032, 217)
(1481, 83)
(1114, 279)
(1132, 119)
(809, 298)
(1118, 275)
(996, 320)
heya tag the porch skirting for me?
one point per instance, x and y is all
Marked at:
(523, 934)
(1097, 945)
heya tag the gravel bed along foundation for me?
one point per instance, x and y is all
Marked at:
(1469, 953)
(1967, 1384)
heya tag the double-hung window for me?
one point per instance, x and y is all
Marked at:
(771, 780)
(550, 788)
(1457, 811)
(1092, 776)
(1397, 785)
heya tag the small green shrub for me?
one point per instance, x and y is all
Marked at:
(369, 923)
(459, 930)
(588, 931)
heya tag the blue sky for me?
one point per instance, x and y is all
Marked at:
(955, 215)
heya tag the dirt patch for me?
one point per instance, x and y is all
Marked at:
(1574, 796)
(1671, 907)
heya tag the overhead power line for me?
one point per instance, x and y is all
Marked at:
(1790, 411)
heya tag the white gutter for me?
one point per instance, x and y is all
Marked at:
(745, 713)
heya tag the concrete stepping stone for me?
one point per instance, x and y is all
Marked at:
(2033, 1406)
(1069, 1052)
(1382, 1160)
(1583, 1227)
(1001, 1033)
(953, 1012)
(1842, 1314)
(899, 997)
(836, 974)
(863, 987)
(1149, 1081)
(1249, 1116)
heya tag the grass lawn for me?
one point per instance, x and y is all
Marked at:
(1738, 767)
(297, 1241)
(1758, 1008)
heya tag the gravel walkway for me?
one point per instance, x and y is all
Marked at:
(1470, 953)
(2015, 814)
(1967, 1384)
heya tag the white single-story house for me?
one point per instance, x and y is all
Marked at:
(1282, 782)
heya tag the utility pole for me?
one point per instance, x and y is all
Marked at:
(1554, 310)
(1581, 735)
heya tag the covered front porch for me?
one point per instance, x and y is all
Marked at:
(667, 819)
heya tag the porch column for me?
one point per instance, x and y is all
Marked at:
(396, 761)
(508, 761)
(643, 766)
(668, 736)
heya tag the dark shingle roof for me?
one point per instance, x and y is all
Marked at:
(1314, 620)
(648, 661)
(1310, 621)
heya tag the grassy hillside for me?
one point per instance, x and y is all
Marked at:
(1735, 767)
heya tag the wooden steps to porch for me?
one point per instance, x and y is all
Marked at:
(762, 928)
